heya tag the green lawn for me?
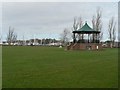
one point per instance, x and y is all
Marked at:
(0, 67)
(44, 67)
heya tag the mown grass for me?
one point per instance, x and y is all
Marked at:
(0, 67)
(53, 67)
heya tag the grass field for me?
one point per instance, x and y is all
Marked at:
(53, 67)
(0, 67)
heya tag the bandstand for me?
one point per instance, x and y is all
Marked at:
(88, 39)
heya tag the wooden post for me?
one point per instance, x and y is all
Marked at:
(93, 37)
(82, 38)
(96, 38)
(74, 38)
(88, 38)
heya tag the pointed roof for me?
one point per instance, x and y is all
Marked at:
(86, 29)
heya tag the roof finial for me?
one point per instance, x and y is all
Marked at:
(85, 21)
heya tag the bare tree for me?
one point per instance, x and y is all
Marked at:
(75, 24)
(78, 23)
(65, 36)
(97, 23)
(11, 36)
(93, 22)
(112, 31)
(100, 37)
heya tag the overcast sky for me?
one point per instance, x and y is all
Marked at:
(48, 19)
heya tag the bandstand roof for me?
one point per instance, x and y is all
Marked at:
(86, 29)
